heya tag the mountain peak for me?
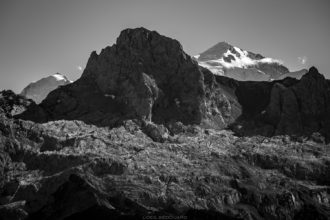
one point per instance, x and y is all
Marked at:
(313, 73)
(313, 70)
(139, 38)
(136, 35)
(142, 39)
(215, 52)
(222, 44)
(38, 90)
(140, 30)
(136, 68)
(226, 59)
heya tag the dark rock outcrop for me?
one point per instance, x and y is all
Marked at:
(288, 106)
(302, 108)
(297, 74)
(144, 75)
(12, 104)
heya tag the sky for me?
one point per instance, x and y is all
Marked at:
(41, 37)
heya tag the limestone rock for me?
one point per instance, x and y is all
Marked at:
(144, 75)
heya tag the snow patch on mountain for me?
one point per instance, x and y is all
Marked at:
(239, 59)
(225, 59)
(60, 77)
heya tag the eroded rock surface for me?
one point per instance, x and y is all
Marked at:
(69, 169)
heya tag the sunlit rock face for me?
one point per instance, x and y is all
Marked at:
(38, 91)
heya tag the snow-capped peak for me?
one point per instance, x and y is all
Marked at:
(225, 59)
(231, 57)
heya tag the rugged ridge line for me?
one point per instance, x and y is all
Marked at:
(144, 75)
(147, 76)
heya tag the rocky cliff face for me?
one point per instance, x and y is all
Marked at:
(144, 75)
(301, 108)
(38, 91)
(288, 106)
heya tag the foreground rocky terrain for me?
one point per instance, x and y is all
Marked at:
(148, 133)
(68, 169)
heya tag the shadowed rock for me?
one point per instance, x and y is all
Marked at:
(122, 173)
(144, 75)
(302, 108)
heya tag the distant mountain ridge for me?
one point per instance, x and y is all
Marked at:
(38, 91)
(226, 60)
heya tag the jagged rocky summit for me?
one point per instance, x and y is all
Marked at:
(144, 75)
(149, 77)
(146, 131)
(38, 91)
(226, 60)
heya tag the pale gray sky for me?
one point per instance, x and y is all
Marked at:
(42, 37)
